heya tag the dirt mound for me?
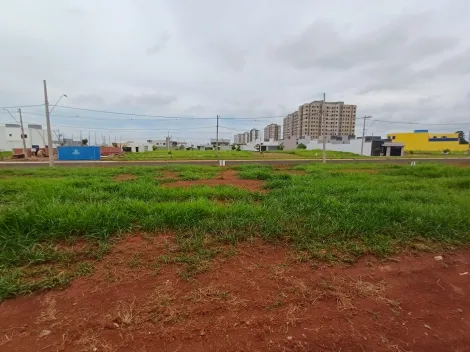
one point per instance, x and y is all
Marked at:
(255, 297)
(228, 177)
(125, 177)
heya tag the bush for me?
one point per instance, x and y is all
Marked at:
(446, 151)
(280, 147)
(301, 146)
(154, 147)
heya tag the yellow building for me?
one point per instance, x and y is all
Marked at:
(423, 140)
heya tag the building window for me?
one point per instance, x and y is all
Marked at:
(9, 134)
(24, 136)
(434, 137)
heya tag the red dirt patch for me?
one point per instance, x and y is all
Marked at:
(260, 299)
(125, 177)
(227, 177)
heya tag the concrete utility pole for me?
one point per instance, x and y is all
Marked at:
(217, 137)
(323, 128)
(363, 133)
(25, 151)
(50, 147)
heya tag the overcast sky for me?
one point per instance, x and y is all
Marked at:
(397, 60)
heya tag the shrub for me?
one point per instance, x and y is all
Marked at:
(301, 146)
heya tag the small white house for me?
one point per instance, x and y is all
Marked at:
(10, 136)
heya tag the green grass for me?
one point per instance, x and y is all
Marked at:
(5, 155)
(334, 211)
(231, 155)
(318, 154)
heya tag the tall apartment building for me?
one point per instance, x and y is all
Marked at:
(243, 138)
(339, 120)
(272, 132)
(254, 135)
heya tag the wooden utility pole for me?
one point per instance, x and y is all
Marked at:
(50, 147)
(217, 137)
(323, 128)
(363, 133)
(25, 151)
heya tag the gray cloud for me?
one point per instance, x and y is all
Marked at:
(148, 100)
(321, 46)
(397, 60)
(159, 45)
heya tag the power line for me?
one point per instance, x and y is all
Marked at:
(133, 114)
(20, 106)
(423, 123)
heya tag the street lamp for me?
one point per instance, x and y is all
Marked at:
(63, 95)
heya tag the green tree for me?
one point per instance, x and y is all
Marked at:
(462, 139)
(301, 146)
(280, 147)
(85, 141)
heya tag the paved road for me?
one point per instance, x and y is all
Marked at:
(108, 163)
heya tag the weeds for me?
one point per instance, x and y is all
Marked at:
(325, 214)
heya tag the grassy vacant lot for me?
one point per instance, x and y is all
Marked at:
(334, 212)
(233, 155)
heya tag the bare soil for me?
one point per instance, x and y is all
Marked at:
(168, 175)
(125, 177)
(256, 297)
(227, 177)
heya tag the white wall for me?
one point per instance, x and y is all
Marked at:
(10, 137)
(354, 146)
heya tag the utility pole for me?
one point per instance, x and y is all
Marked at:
(25, 151)
(50, 147)
(363, 133)
(217, 137)
(95, 137)
(323, 128)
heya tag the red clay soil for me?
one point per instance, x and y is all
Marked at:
(262, 298)
(125, 177)
(228, 177)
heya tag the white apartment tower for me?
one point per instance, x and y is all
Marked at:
(339, 120)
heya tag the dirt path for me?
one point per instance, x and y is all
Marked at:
(254, 298)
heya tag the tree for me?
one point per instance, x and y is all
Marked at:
(181, 147)
(154, 147)
(114, 144)
(238, 148)
(234, 146)
(85, 141)
(462, 139)
(280, 147)
(301, 146)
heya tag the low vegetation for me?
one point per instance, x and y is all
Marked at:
(52, 221)
(161, 154)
